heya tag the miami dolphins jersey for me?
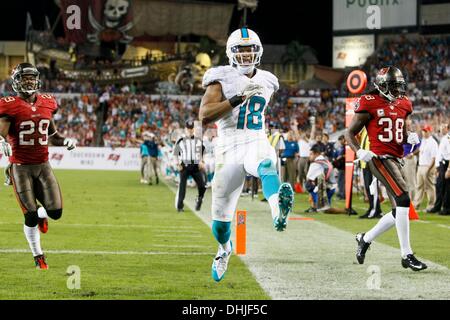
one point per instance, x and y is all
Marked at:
(247, 118)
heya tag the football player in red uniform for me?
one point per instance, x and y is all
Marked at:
(383, 112)
(26, 127)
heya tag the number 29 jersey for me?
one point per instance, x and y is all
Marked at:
(387, 120)
(248, 117)
(28, 132)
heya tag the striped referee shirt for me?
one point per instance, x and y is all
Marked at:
(189, 150)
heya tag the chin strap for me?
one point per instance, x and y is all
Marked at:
(389, 97)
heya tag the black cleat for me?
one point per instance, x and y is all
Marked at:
(180, 210)
(198, 203)
(362, 248)
(413, 263)
(311, 210)
(157, 180)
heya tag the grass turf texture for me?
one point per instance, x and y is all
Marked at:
(430, 236)
(125, 216)
(111, 212)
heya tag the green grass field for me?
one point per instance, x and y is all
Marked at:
(430, 237)
(105, 214)
(130, 243)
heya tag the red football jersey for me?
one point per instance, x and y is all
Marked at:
(28, 133)
(387, 120)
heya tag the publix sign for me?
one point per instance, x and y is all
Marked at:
(365, 3)
(358, 14)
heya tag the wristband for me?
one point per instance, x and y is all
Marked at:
(236, 100)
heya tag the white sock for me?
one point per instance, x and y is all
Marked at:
(34, 239)
(226, 247)
(42, 213)
(402, 226)
(273, 202)
(386, 222)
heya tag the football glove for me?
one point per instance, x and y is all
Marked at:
(413, 138)
(70, 143)
(251, 90)
(365, 155)
(5, 147)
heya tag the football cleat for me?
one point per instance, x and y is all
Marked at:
(43, 225)
(40, 262)
(285, 203)
(362, 248)
(220, 264)
(412, 262)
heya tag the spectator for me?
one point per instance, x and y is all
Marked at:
(442, 164)
(303, 161)
(290, 153)
(426, 171)
(321, 182)
(153, 151)
(339, 164)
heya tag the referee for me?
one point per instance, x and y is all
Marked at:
(189, 151)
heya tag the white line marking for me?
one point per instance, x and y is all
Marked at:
(141, 253)
(138, 226)
(444, 226)
(182, 235)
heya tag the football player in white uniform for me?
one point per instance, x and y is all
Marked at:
(236, 98)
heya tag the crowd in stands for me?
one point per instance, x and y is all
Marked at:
(424, 60)
(76, 118)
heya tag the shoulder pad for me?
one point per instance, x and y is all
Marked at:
(216, 74)
(271, 78)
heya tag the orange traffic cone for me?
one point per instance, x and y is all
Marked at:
(298, 188)
(412, 212)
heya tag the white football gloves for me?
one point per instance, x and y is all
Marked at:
(5, 147)
(413, 138)
(70, 143)
(365, 155)
(251, 90)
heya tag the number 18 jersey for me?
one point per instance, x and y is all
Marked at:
(387, 120)
(247, 118)
(28, 132)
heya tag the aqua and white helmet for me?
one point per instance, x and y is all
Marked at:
(244, 50)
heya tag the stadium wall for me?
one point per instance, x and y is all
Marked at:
(86, 158)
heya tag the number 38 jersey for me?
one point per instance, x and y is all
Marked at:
(28, 132)
(387, 120)
(248, 117)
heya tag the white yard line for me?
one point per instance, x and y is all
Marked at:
(88, 252)
(167, 229)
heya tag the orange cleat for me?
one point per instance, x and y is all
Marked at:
(40, 262)
(43, 225)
